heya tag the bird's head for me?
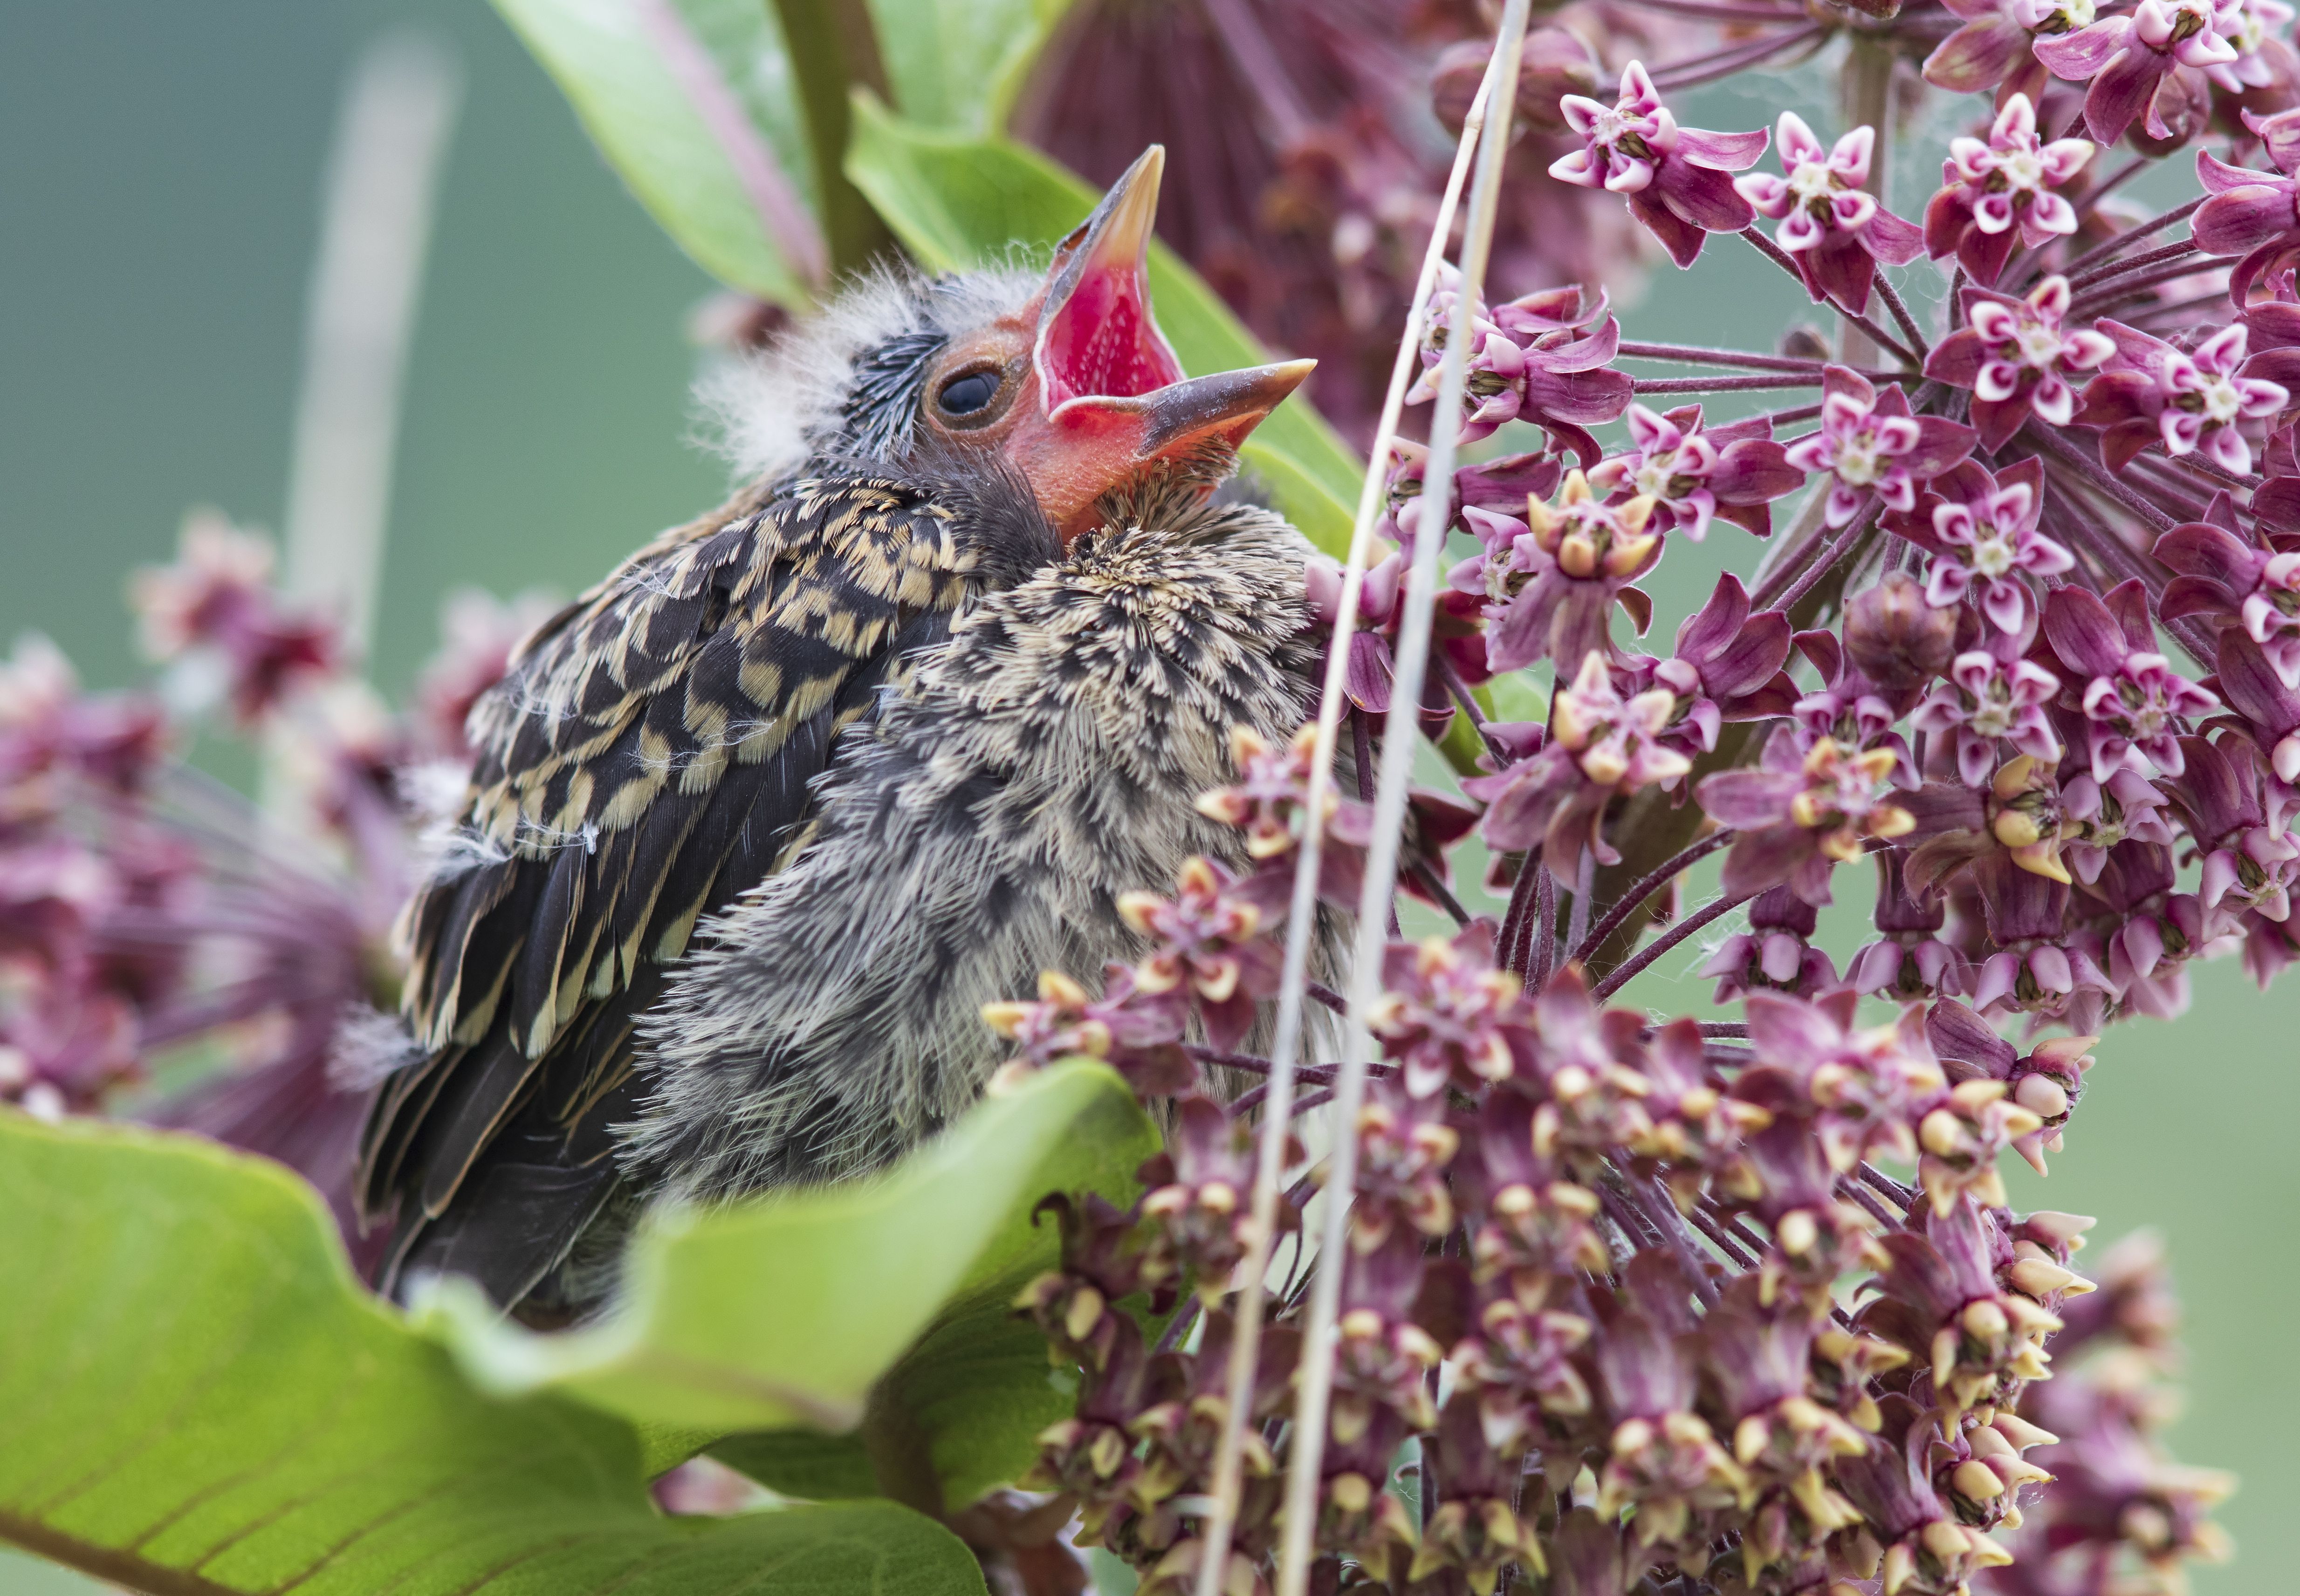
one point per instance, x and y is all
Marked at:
(1064, 375)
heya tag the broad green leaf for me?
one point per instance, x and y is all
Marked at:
(798, 1310)
(694, 103)
(956, 201)
(956, 64)
(197, 1398)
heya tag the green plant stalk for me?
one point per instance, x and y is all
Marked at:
(1867, 89)
(834, 49)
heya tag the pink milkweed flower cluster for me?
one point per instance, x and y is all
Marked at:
(1676, 178)
(2002, 191)
(1832, 227)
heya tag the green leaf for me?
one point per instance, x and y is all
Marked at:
(956, 201)
(694, 103)
(788, 1311)
(198, 1400)
(956, 64)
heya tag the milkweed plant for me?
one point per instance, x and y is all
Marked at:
(1622, 1301)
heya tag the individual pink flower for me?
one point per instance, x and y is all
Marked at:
(1598, 744)
(2240, 826)
(1873, 447)
(2263, 56)
(1541, 358)
(1910, 959)
(214, 610)
(2255, 214)
(1695, 475)
(2036, 967)
(1832, 227)
(2191, 402)
(2126, 57)
(2002, 189)
(1774, 954)
(1550, 582)
(1673, 178)
(1984, 540)
(2249, 581)
(1727, 666)
(2016, 356)
(1803, 812)
(2255, 690)
(2098, 815)
(1993, 50)
(2132, 699)
(1992, 693)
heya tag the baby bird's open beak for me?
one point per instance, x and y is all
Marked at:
(1111, 400)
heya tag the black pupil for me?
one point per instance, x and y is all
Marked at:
(964, 395)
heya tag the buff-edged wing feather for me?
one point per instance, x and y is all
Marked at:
(647, 757)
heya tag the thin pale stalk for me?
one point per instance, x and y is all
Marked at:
(1421, 597)
(1294, 984)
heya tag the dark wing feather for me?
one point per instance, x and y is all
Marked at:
(649, 757)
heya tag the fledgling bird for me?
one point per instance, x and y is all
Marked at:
(760, 823)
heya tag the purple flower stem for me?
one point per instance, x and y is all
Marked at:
(2122, 291)
(1694, 355)
(1904, 1195)
(1327, 995)
(2099, 274)
(1708, 1226)
(1630, 969)
(1956, 301)
(1868, 1204)
(1468, 700)
(1577, 925)
(1645, 886)
(1513, 946)
(1653, 1201)
(1728, 385)
(2207, 468)
(1724, 63)
(2155, 224)
(1543, 929)
(1427, 880)
(1313, 1101)
(1818, 568)
(2180, 307)
(2050, 441)
(1790, 418)
(1877, 335)
(1734, 1030)
(1892, 298)
(2170, 484)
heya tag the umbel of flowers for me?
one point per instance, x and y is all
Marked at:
(1740, 1305)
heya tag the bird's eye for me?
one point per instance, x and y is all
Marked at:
(966, 396)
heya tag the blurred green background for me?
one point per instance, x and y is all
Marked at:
(160, 174)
